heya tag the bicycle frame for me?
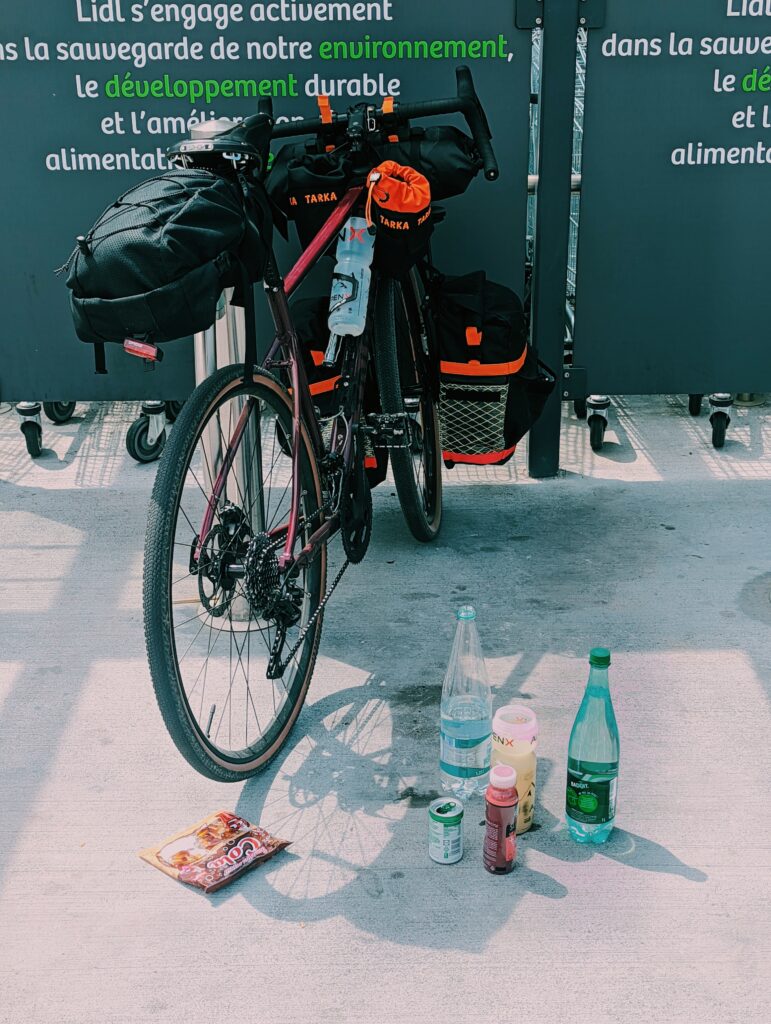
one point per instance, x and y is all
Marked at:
(285, 352)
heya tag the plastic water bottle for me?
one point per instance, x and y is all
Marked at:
(351, 280)
(590, 805)
(466, 714)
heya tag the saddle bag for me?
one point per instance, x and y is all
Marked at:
(492, 387)
(155, 263)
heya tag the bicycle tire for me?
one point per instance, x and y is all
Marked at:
(395, 359)
(158, 610)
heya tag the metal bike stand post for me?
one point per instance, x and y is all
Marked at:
(560, 21)
(222, 345)
(204, 355)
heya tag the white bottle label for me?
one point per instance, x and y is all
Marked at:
(464, 758)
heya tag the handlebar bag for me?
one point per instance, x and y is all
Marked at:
(492, 387)
(155, 263)
(305, 182)
(443, 154)
(310, 317)
(399, 205)
(306, 185)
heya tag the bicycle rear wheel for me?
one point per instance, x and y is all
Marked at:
(400, 362)
(213, 605)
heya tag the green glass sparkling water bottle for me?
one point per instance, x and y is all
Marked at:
(590, 804)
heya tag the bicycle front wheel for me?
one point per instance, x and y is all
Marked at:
(400, 363)
(215, 607)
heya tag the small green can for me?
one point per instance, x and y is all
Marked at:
(445, 830)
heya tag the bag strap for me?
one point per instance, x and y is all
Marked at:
(100, 363)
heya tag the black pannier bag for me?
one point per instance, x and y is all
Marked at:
(155, 263)
(306, 182)
(310, 318)
(492, 388)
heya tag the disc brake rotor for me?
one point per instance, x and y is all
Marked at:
(225, 543)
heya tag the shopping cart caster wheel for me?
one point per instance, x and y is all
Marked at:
(597, 425)
(694, 404)
(173, 409)
(579, 408)
(59, 412)
(33, 436)
(137, 444)
(720, 421)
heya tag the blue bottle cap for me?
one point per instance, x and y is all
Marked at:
(466, 612)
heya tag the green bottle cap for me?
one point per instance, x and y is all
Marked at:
(466, 612)
(599, 656)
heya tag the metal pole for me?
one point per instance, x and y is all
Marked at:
(552, 230)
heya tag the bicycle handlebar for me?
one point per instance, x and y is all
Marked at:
(466, 103)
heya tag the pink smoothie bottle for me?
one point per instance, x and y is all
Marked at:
(500, 847)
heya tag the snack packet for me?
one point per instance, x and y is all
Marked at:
(213, 852)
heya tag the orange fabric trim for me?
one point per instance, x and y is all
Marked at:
(479, 460)
(317, 357)
(473, 368)
(403, 189)
(322, 387)
(325, 110)
(473, 336)
(388, 108)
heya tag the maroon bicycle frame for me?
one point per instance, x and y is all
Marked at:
(286, 342)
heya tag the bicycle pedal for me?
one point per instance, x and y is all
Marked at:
(389, 430)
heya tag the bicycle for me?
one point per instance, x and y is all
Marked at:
(251, 486)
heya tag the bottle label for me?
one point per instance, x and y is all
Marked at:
(511, 840)
(591, 797)
(464, 759)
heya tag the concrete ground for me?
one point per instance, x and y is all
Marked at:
(658, 548)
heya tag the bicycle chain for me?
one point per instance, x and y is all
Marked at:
(281, 667)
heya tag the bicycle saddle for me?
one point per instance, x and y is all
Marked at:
(212, 142)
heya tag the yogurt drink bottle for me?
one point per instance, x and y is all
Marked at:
(515, 737)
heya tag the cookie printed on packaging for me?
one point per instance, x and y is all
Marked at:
(214, 851)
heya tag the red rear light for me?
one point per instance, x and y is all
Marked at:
(143, 349)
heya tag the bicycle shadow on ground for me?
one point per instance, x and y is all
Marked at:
(351, 788)
(350, 797)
